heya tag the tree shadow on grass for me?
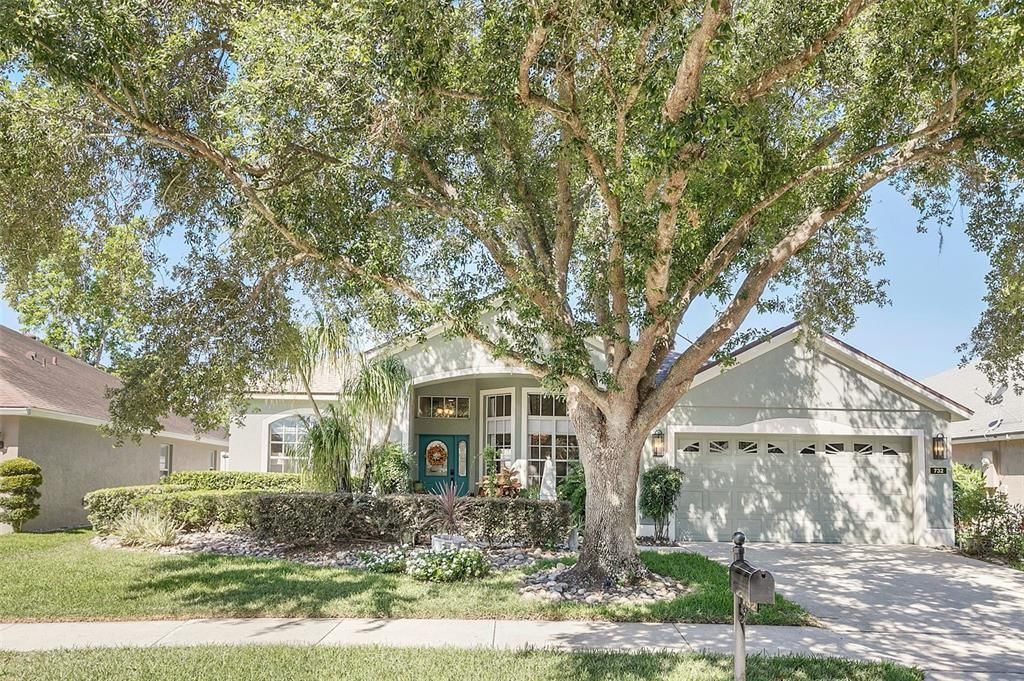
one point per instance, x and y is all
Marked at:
(249, 587)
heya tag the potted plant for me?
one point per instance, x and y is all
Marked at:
(448, 517)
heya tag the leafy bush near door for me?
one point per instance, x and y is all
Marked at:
(20, 480)
(987, 524)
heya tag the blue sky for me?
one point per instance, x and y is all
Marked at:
(936, 294)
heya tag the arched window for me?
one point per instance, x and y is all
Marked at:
(285, 434)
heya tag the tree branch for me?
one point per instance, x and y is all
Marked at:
(749, 292)
(686, 87)
(786, 68)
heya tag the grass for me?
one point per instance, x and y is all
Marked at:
(297, 663)
(60, 576)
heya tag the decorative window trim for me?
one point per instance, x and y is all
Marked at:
(747, 447)
(456, 407)
(863, 448)
(718, 447)
(484, 394)
(554, 419)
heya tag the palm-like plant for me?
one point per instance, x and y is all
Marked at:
(326, 451)
(374, 397)
(325, 342)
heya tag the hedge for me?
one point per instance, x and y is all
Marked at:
(312, 518)
(224, 480)
(104, 507)
(196, 510)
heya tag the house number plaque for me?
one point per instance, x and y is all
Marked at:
(938, 470)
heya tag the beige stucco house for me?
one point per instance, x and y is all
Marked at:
(51, 406)
(789, 443)
(993, 439)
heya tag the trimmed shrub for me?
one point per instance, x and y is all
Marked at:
(106, 506)
(224, 480)
(20, 480)
(316, 518)
(448, 565)
(659, 490)
(194, 510)
(140, 528)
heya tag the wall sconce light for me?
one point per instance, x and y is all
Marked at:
(939, 450)
(658, 442)
(3, 449)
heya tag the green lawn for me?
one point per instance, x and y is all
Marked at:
(295, 663)
(60, 576)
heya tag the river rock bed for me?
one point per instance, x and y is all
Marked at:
(555, 585)
(235, 543)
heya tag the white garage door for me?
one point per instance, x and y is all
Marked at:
(854, 490)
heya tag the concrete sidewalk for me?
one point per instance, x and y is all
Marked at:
(999, 655)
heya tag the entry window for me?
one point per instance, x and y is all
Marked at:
(166, 454)
(285, 435)
(498, 426)
(434, 407)
(549, 434)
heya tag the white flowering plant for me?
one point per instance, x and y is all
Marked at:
(448, 565)
(391, 560)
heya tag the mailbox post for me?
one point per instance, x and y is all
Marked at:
(750, 587)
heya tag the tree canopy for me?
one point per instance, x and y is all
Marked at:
(597, 165)
(87, 295)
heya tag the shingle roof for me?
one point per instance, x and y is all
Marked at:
(35, 376)
(998, 410)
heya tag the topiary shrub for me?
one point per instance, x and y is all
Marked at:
(20, 480)
(659, 490)
(105, 507)
(225, 480)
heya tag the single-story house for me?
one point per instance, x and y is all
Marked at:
(51, 406)
(791, 442)
(993, 439)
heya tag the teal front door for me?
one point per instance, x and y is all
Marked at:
(443, 459)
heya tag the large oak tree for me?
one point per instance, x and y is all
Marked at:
(597, 167)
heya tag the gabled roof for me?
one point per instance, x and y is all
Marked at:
(37, 380)
(998, 410)
(842, 352)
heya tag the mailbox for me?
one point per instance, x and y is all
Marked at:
(750, 587)
(753, 586)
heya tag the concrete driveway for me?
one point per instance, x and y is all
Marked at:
(938, 609)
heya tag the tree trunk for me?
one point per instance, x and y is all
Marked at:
(610, 454)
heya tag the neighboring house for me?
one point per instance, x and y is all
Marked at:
(51, 405)
(993, 439)
(789, 443)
